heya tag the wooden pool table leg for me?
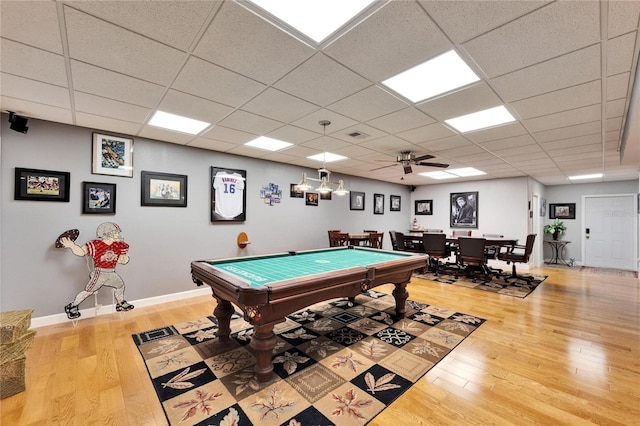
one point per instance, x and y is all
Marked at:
(262, 342)
(401, 294)
(223, 312)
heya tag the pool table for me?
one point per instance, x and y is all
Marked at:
(267, 288)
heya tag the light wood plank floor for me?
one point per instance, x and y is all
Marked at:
(567, 354)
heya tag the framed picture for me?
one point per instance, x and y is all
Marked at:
(378, 203)
(424, 207)
(311, 199)
(394, 203)
(41, 185)
(228, 195)
(98, 198)
(562, 211)
(112, 155)
(464, 210)
(325, 195)
(356, 201)
(543, 207)
(163, 189)
(295, 192)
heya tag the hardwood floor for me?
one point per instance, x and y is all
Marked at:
(567, 354)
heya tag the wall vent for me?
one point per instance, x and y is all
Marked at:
(358, 135)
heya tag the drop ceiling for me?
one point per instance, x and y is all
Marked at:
(564, 69)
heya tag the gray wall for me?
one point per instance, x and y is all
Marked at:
(163, 240)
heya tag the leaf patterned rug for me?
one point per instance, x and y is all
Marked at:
(516, 288)
(335, 362)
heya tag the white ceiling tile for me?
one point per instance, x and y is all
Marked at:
(388, 144)
(109, 84)
(108, 46)
(499, 132)
(193, 107)
(398, 36)
(279, 105)
(242, 42)
(175, 23)
(568, 70)
(623, 16)
(109, 108)
(321, 80)
(106, 124)
(500, 144)
(559, 100)
(615, 108)
(251, 123)
(426, 133)
(159, 134)
(32, 63)
(366, 133)
(212, 82)
(370, 103)
(565, 118)
(572, 142)
(405, 119)
(226, 134)
(476, 97)
(34, 91)
(338, 122)
(36, 110)
(34, 23)
(545, 33)
(618, 86)
(590, 128)
(620, 53)
(292, 134)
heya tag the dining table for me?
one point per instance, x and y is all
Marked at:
(416, 238)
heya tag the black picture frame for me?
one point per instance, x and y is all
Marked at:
(562, 211)
(356, 200)
(41, 185)
(163, 189)
(423, 207)
(311, 199)
(228, 195)
(112, 155)
(98, 198)
(464, 210)
(295, 192)
(395, 202)
(378, 203)
(325, 195)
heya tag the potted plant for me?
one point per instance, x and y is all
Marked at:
(555, 228)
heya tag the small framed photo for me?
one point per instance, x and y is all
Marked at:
(394, 203)
(228, 195)
(543, 207)
(163, 189)
(562, 211)
(41, 185)
(295, 192)
(424, 207)
(311, 199)
(112, 155)
(378, 203)
(356, 201)
(325, 195)
(98, 198)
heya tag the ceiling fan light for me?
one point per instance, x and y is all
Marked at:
(340, 190)
(324, 187)
(304, 184)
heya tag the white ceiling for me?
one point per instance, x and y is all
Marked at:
(565, 70)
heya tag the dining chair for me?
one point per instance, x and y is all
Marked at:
(472, 260)
(435, 245)
(394, 243)
(404, 244)
(491, 252)
(375, 239)
(369, 231)
(338, 239)
(519, 254)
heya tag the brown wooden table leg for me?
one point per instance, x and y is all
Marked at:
(262, 342)
(401, 294)
(223, 312)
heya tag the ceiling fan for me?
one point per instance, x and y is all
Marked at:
(407, 158)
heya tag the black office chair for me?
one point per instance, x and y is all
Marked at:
(435, 245)
(492, 252)
(519, 254)
(472, 260)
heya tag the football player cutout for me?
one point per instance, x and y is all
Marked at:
(107, 251)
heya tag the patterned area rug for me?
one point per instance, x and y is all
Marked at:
(516, 288)
(608, 271)
(335, 363)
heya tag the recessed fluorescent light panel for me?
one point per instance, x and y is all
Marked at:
(317, 19)
(481, 120)
(438, 175)
(327, 157)
(466, 171)
(580, 177)
(177, 123)
(269, 144)
(438, 75)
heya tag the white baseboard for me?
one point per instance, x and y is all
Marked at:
(109, 309)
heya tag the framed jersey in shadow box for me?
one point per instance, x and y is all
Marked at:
(228, 195)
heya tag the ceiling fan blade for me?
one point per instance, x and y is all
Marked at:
(384, 167)
(424, 157)
(442, 165)
(407, 168)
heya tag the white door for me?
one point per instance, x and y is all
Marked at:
(609, 231)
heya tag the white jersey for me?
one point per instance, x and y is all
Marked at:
(229, 191)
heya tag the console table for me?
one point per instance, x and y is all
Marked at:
(557, 251)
